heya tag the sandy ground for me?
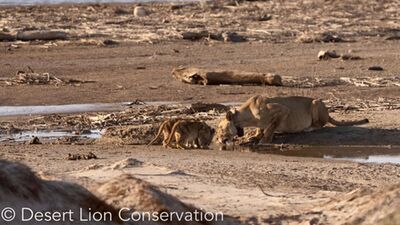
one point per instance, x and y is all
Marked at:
(257, 188)
(115, 72)
(230, 182)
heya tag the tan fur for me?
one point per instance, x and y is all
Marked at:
(191, 133)
(280, 114)
(165, 129)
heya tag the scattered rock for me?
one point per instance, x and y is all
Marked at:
(325, 55)
(198, 35)
(45, 35)
(136, 102)
(126, 164)
(93, 167)
(88, 156)
(375, 68)
(140, 11)
(264, 17)
(121, 11)
(35, 141)
(110, 42)
(194, 36)
(176, 6)
(350, 57)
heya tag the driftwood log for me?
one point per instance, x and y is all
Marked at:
(216, 77)
(7, 37)
(45, 35)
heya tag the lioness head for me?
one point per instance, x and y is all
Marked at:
(227, 130)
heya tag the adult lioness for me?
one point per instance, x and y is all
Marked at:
(191, 133)
(280, 114)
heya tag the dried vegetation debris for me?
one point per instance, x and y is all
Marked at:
(331, 54)
(138, 125)
(277, 21)
(81, 156)
(32, 78)
(129, 135)
(312, 82)
(323, 37)
(379, 104)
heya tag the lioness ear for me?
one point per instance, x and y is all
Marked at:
(230, 114)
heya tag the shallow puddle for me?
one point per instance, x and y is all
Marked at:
(72, 108)
(49, 109)
(361, 154)
(82, 108)
(24, 136)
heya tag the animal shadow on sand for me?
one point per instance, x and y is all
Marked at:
(336, 142)
(330, 136)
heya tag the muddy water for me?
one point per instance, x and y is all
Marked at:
(361, 154)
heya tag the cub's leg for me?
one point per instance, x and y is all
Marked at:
(180, 140)
(278, 114)
(319, 113)
(166, 133)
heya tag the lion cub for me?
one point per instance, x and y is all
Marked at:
(191, 133)
(165, 129)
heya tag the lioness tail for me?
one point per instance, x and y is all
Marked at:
(347, 123)
(172, 133)
(159, 132)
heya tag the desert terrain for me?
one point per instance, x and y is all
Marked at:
(108, 54)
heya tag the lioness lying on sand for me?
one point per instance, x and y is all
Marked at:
(280, 114)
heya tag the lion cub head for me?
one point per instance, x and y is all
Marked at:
(227, 130)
